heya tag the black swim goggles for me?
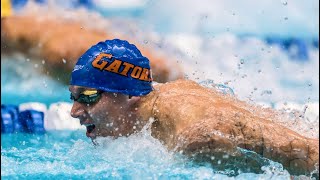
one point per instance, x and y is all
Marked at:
(87, 97)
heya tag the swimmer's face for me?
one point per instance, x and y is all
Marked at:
(103, 113)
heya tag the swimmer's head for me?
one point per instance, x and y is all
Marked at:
(100, 83)
(113, 66)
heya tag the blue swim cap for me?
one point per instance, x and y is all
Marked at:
(113, 66)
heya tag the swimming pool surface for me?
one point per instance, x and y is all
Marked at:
(71, 155)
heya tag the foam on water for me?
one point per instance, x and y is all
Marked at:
(66, 154)
(255, 70)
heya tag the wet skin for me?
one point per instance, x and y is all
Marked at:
(112, 115)
(195, 120)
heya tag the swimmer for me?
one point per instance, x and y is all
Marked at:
(113, 94)
(38, 37)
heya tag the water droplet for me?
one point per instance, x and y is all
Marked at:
(81, 27)
(285, 3)
(145, 41)
(226, 156)
(64, 61)
(259, 71)
(255, 88)
(233, 14)
(286, 18)
(241, 61)
(310, 84)
(27, 59)
(268, 92)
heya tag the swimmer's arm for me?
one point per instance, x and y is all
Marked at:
(219, 136)
(298, 154)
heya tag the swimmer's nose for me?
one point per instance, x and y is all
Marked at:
(76, 110)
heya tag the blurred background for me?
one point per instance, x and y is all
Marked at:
(267, 52)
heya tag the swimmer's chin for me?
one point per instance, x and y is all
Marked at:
(91, 135)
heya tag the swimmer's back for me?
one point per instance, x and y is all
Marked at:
(178, 105)
(194, 119)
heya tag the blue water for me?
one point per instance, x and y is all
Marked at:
(71, 155)
(22, 81)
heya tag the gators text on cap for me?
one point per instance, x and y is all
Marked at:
(114, 66)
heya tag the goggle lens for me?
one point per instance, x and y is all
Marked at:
(87, 99)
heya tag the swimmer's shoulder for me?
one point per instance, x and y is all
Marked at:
(175, 85)
(162, 92)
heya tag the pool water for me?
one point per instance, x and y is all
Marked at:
(71, 155)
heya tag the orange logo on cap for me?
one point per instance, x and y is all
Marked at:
(137, 72)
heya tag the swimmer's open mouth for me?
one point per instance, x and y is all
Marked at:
(90, 129)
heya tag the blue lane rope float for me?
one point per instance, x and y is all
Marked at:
(29, 121)
(6, 121)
